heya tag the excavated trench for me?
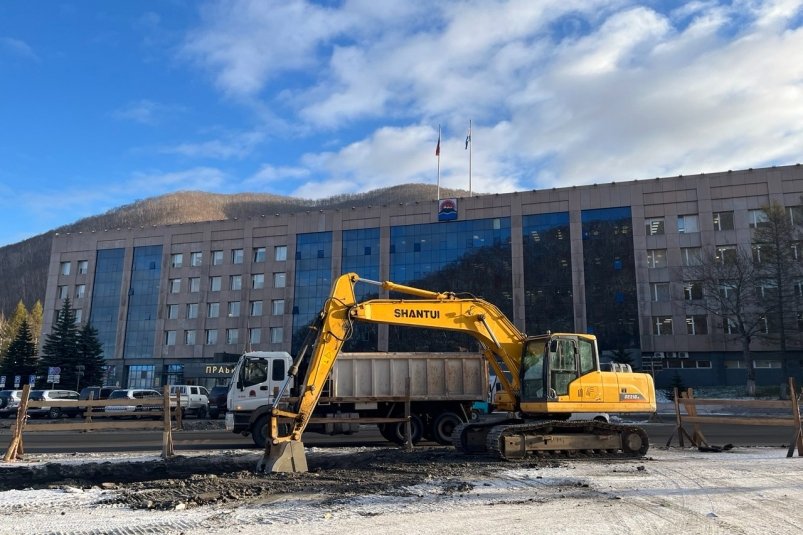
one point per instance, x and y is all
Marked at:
(184, 482)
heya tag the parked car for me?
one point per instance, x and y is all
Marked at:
(137, 397)
(217, 400)
(9, 402)
(98, 393)
(53, 395)
(194, 399)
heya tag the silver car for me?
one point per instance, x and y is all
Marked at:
(137, 397)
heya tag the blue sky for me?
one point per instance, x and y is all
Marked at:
(104, 102)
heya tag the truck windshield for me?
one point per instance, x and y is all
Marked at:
(254, 371)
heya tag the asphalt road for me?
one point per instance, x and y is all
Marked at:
(212, 439)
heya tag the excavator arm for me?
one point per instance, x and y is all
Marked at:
(501, 342)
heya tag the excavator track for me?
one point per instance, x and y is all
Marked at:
(566, 439)
(472, 437)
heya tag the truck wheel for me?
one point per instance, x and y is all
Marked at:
(260, 432)
(396, 432)
(202, 412)
(54, 413)
(444, 426)
(386, 431)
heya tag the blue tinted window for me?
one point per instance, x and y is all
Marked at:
(106, 297)
(469, 257)
(313, 280)
(360, 255)
(143, 302)
(610, 277)
(547, 273)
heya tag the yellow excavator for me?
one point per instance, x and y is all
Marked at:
(544, 379)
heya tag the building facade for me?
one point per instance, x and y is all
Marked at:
(176, 303)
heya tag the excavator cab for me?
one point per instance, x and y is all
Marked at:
(552, 363)
(561, 374)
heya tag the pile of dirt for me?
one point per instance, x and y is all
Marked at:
(185, 482)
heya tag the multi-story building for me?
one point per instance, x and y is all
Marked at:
(175, 303)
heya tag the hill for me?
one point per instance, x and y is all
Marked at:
(23, 265)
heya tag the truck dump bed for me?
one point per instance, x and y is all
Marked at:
(432, 376)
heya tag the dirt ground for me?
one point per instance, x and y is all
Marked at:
(230, 478)
(432, 490)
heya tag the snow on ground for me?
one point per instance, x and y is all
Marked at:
(743, 491)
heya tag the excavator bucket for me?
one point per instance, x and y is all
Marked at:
(284, 457)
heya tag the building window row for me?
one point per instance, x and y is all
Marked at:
(232, 309)
(660, 291)
(690, 223)
(232, 336)
(259, 254)
(688, 364)
(65, 268)
(235, 283)
(696, 324)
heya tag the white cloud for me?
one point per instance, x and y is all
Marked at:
(246, 42)
(18, 48)
(271, 174)
(82, 202)
(145, 112)
(393, 156)
(236, 145)
(198, 178)
(561, 92)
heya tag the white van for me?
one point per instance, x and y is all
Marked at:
(54, 395)
(194, 399)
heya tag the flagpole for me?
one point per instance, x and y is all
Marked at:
(438, 154)
(470, 143)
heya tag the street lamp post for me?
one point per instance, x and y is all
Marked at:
(79, 372)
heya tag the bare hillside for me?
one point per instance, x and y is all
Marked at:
(23, 265)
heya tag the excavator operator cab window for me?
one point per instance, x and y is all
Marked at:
(588, 361)
(533, 370)
(562, 365)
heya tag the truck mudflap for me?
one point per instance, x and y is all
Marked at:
(566, 439)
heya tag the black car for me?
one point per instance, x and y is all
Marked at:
(9, 401)
(217, 400)
(97, 392)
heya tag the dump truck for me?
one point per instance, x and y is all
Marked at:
(441, 389)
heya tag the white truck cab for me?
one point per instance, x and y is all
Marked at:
(257, 379)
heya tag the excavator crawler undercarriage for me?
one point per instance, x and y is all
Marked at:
(516, 439)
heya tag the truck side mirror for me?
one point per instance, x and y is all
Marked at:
(239, 385)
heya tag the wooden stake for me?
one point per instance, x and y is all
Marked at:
(167, 430)
(797, 440)
(16, 448)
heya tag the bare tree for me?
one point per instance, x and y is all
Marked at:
(775, 249)
(729, 279)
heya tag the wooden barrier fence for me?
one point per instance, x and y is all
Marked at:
(164, 419)
(690, 404)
